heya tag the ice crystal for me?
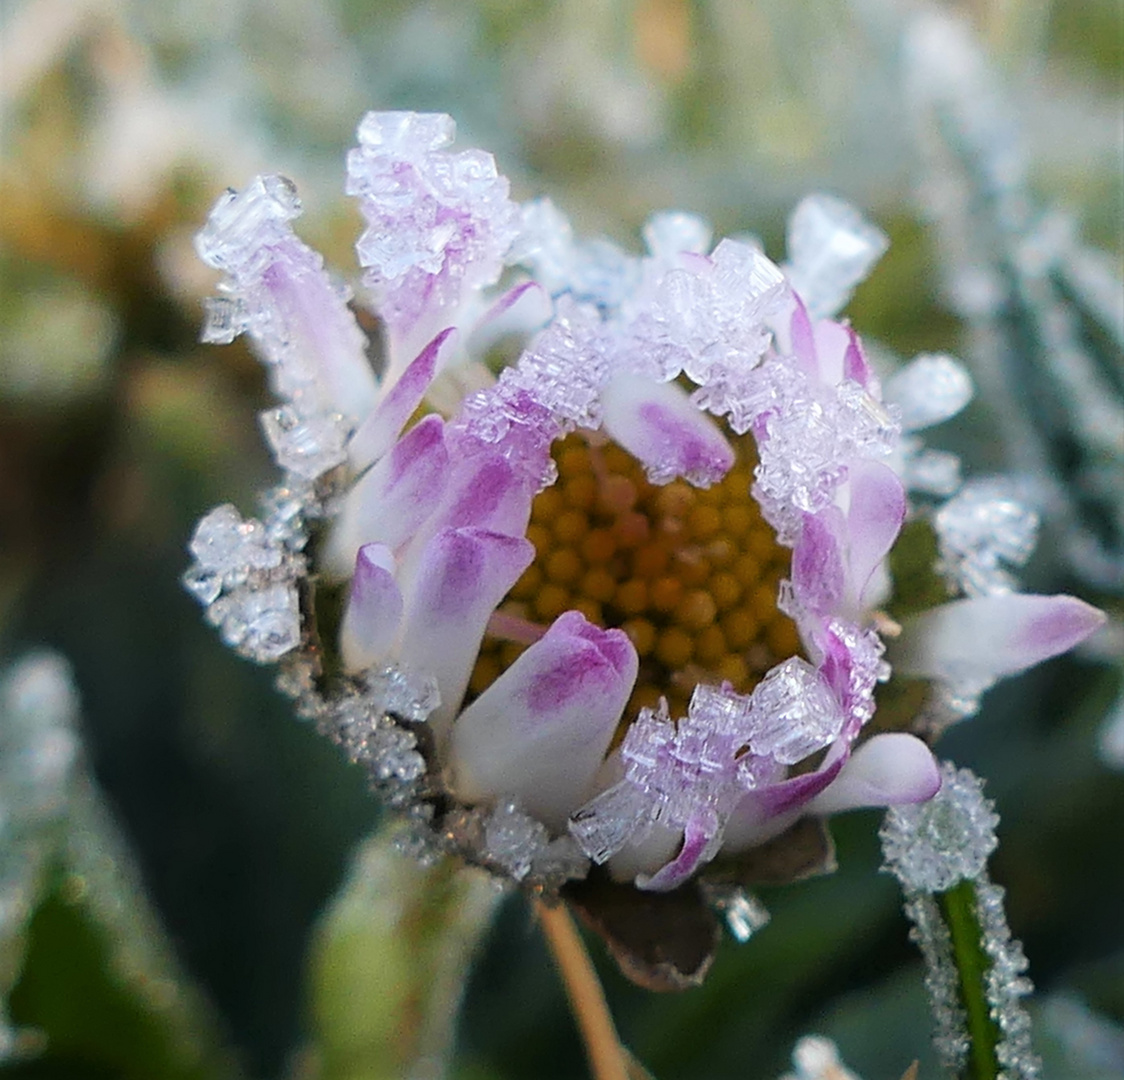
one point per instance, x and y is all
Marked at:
(277, 291)
(308, 446)
(743, 912)
(831, 248)
(931, 846)
(246, 580)
(984, 526)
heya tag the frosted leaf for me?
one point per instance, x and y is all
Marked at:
(831, 248)
(929, 390)
(306, 445)
(513, 840)
(794, 713)
(260, 623)
(983, 527)
(933, 845)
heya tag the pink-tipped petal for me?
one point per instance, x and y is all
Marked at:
(695, 852)
(523, 309)
(658, 424)
(379, 431)
(974, 642)
(461, 576)
(887, 770)
(390, 503)
(769, 810)
(374, 609)
(540, 732)
(874, 520)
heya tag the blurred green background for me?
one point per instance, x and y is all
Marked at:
(122, 122)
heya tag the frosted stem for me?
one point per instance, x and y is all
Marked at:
(607, 1058)
(958, 908)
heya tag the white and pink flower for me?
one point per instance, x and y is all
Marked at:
(649, 354)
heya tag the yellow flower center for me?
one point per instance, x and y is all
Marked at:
(690, 575)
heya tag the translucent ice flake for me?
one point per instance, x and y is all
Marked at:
(929, 390)
(806, 436)
(262, 624)
(439, 223)
(931, 846)
(794, 713)
(306, 445)
(243, 226)
(743, 912)
(831, 248)
(708, 319)
(231, 548)
(591, 271)
(984, 526)
(513, 840)
(396, 691)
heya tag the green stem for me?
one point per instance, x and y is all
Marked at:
(958, 906)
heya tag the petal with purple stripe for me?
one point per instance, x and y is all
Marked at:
(887, 770)
(658, 425)
(540, 732)
(461, 576)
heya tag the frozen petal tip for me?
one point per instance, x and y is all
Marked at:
(970, 644)
(888, 770)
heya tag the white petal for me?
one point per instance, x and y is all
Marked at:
(461, 576)
(374, 609)
(658, 424)
(378, 433)
(974, 642)
(540, 732)
(887, 770)
(393, 499)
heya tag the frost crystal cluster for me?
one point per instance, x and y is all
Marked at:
(618, 601)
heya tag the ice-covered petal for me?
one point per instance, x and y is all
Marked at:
(874, 520)
(887, 770)
(394, 498)
(831, 248)
(374, 609)
(523, 309)
(539, 733)
(697, 849)
(377, 434)
(657, 423)
(974, 642)
(766, 811)
(818, 575)
(278, 291)
(461, 576)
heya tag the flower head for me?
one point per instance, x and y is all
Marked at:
(622, 603)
